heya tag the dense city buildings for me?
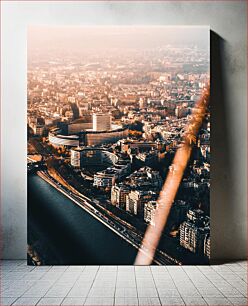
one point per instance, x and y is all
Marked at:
(194, 232)
(109, 123)
(92, 156)
(108, 177)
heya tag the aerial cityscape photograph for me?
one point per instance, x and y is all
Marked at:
(108, 107)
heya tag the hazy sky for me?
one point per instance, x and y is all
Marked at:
(103, 37)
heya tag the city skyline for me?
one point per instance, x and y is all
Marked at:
(84, 39)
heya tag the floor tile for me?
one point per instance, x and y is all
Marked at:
(125, 269)
(26, 301)
(147, 301)
(126, 292)
(103, 283)
(166, 301)
(210, 292)
(50, 301)
(145, 284)
(99, 301)
(36, 291)
(11, 293)
(75, 268)
(239, 301)
(147, 292)
(79, 291)
(217, 301)
(229, 291)
(189, 292)
(165, 292)
(102, 292)
(121, 301)
(73, 301)
(7, 301)
(194, 301)
(123, 285)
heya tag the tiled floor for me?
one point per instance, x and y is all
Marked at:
(123, 285)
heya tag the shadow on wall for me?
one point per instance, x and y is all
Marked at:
(222, 205)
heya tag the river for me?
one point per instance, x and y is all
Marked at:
(63, 233)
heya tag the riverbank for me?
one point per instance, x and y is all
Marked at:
(62, 232)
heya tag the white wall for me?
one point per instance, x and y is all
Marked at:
(229, 98)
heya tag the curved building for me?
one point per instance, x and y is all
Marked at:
(78, 127)
(93, 138)
(87, 131)
(59, 140)
(92, 157)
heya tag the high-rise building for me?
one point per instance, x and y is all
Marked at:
(193, 232)
(101, 122)
(136, 200)
(105, 178)
(39, 130)
(149, 212)
(207, 245)
(192, 237)
(39, 127)
(119, 195)
(76, 157)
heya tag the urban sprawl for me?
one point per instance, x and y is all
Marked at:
(108, 126)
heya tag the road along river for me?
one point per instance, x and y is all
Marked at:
(70, 234)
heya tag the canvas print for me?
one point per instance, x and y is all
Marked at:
(118, 129)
